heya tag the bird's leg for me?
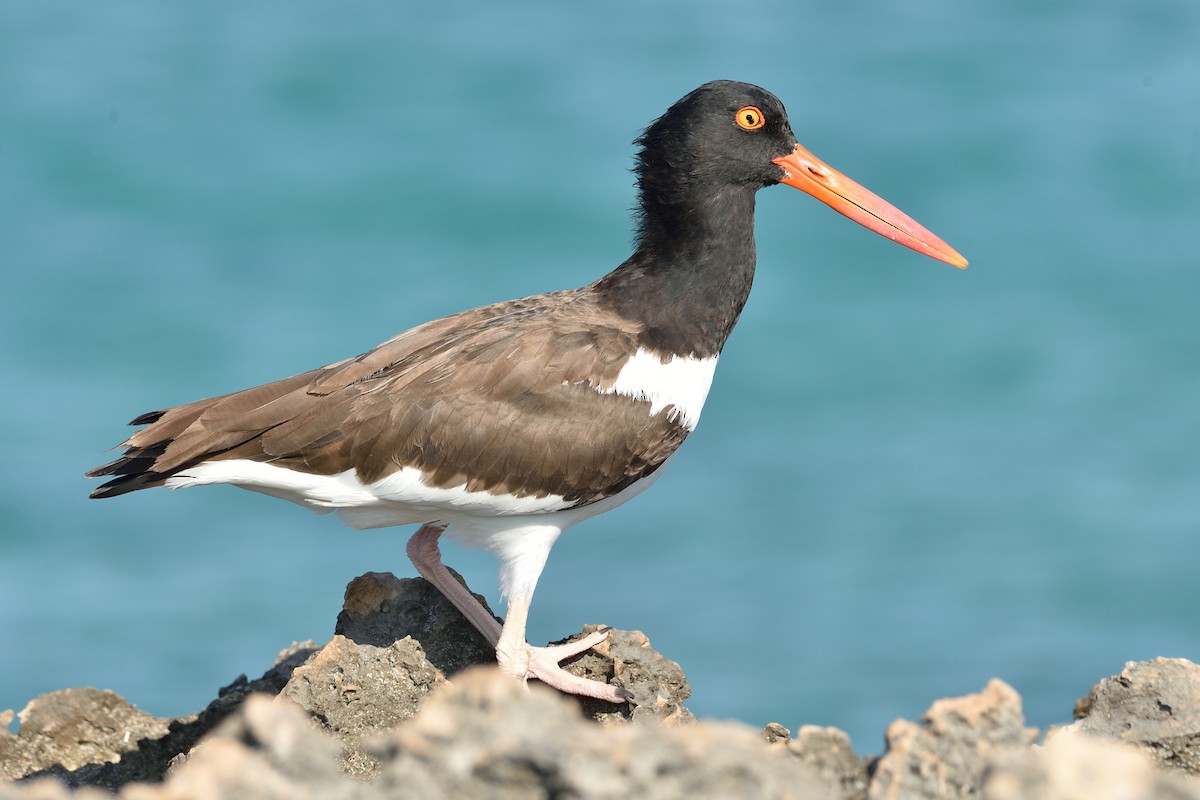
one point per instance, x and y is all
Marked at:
(524, 661)
(425, 555)
(514, 655)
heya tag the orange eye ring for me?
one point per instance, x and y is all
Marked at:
(749, 118)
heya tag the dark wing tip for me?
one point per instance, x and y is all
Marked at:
(134, 460)
(101, 492)
(127, 483)
(133, 471)
(105, 469)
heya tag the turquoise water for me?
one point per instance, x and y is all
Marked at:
(908, 478)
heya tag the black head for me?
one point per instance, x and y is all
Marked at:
(699, 168)
(723, 134)
(722, 142)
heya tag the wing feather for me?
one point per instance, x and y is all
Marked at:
(502, 398)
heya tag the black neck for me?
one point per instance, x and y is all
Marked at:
(691, 273)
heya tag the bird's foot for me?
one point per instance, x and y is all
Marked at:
(543, 663)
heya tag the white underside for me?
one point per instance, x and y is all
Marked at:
(398, 499)
(519, 531)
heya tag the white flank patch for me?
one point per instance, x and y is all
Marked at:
(399, 499)
(680, 384)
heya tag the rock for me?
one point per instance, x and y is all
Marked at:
(626, 659)
(486, 737)
(945, 755)
(74, 727)
(266, 751)
(49, 789)
(774, 733)
(371, 677)
(1152, 704)
(373, 713)
(356, 691)
(380, 609)
(827, 752)
(482, 737)
(149, 757)
(1077, 766)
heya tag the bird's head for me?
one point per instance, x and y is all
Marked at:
(727, 135)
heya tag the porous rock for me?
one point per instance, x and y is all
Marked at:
(1074, 766)
(774, 733)
(396, 640)
(945, 755)
(486, 737)
(71, 728)
(373, 715)
(355, 691)
(146, 757)
(380, 609)
(828, 753)
(268, 750)
(1152, 704)
(49, 789)
(626, 659)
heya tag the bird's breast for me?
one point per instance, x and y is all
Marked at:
(676, 385)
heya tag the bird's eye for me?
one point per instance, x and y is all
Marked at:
(749, 118)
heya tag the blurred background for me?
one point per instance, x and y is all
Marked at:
(908, 479)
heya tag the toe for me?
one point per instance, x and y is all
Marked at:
(558, 678)
(565, 651)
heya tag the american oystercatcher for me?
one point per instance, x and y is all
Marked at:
(503, 426)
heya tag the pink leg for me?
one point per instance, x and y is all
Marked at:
(427, 558)
(514, 655)
(521, 660)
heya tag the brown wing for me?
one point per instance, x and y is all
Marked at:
(500, 398)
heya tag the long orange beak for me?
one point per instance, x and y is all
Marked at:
(810, 174)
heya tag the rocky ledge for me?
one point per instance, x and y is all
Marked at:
(371, 714)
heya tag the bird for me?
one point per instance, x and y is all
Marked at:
(503, 426)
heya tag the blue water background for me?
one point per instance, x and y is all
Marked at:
(908, 479)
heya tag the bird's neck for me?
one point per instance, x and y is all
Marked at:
(691, 273)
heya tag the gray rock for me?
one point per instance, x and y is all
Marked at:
(827, 752)
(1152, 704)
(774, 733)
(372, 714)
(484, 736)
(267, 750)
(147, 757)
(626, 659)
(355, 691)
(945, 755)
(71, 728)
(371, 677)
(49, 789)
(380, 609)
(1081, 767)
